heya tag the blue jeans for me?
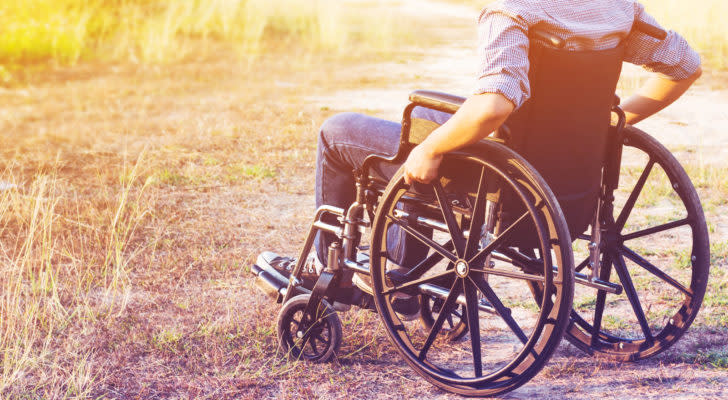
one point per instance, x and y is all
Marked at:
(345, 140)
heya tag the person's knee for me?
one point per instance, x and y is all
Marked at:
(429, 114)
(336, 126)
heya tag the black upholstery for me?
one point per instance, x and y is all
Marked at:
(563, 129)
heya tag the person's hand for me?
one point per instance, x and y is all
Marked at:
(421, 165)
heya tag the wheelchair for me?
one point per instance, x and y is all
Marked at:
(497, 233)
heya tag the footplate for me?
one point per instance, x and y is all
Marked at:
(273, 283)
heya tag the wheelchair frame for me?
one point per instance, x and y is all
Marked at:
(354, 225)
(606, 248)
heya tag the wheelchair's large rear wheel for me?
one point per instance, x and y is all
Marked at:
(511, 334)
(454, 327)
(657, 249)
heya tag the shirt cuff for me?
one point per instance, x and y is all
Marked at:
(507, 86)
(676, 59)
(688, 65)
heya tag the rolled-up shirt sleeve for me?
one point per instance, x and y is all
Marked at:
(503, 57)
(672, 57)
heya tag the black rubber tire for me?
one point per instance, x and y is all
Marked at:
(323, 336)
(682, 310)
(523, 351)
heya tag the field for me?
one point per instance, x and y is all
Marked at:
(150, 151)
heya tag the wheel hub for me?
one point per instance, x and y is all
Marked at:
(462, 268)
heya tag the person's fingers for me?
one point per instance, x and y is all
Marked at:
(428, 177)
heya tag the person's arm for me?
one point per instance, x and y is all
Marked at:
(677, 66)
(480, 115)
(657, 93)
(502, 86)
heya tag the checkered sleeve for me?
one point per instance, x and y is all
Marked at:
(503, 55)
(672, 56)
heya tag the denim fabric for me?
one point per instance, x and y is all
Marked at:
(345, 140)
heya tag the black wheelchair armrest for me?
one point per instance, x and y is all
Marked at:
(439, 101)
(415, 130)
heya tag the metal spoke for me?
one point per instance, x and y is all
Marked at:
(656, 229)
(417, 282)
(605, 271)
(501, 257)
(449, 303)
(629, 253)
(582, 265)
(480, 257)
(627, 209)
(313, 345)
(304, 341)
(631, 293)
(509, 274)
(429, 262)
(502, 310)
(478, 217)
(453, 228)
(521, 260)
(422, 238)
(471, 309)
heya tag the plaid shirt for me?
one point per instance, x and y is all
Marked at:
(585, 25)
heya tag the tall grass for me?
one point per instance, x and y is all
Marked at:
(702, 22)
(65, 31)
(62, 269)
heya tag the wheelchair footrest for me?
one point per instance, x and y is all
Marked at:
(272, 282)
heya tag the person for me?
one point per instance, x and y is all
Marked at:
(502, 86)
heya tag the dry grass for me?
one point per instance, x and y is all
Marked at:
(132, 202)
(701, 22)
(162, 31)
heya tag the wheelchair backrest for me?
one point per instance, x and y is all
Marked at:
(563, 129)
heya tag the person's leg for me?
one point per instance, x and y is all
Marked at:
(345, 140)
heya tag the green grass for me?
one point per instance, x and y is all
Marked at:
(710, 358)
(719, 253)
(241, 171)
(615, 324)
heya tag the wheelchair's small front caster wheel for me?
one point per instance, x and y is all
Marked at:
(455, 326)
(316, 338)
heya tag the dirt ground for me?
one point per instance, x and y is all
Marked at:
(230, 147)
